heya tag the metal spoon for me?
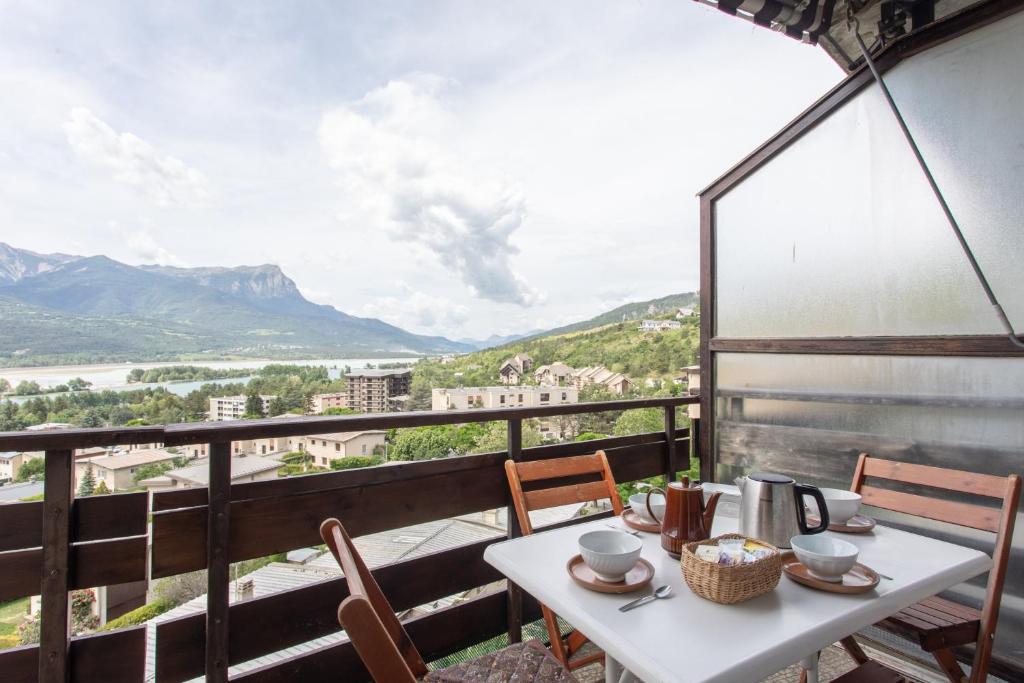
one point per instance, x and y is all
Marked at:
(622, 529)
(659, 593)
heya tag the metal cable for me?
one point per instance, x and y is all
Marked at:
(1000, 313)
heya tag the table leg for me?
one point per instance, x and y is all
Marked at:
(615, 672)
(810, 665)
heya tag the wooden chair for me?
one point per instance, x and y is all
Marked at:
(937, 624)
(538, 498)
(389, 654)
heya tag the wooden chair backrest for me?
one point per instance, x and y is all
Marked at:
(564, 494)
(380, 639)
(999, 521)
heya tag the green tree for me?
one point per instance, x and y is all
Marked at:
(101, 489)
(589, 436)
(78, 384)
(341, 411)
(253, 405)
(87, 486)
(27, 388)
(10, 420)
(277, 406)
(640, 421)
(5, 386)
(495, 437)
(31, 469)
(427, 443)
(155, 469)
(92, 418)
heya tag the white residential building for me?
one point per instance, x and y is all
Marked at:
(117, 469)
(233, 407)
(659, 325)
(467, 398)
(326, 448)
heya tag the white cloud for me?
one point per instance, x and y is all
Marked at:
(143, 245)
(388, 148)
(131, 160)
(414, 310)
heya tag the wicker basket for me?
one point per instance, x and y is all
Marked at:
(730, 584)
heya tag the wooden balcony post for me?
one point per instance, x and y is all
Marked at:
(671, 459)
(706, 467)
(218, 563)
(515, 593)
(58, 491)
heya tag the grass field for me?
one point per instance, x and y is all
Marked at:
(11, 614)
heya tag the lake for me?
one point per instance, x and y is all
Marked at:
(113, 375)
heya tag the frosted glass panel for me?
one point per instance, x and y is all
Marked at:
(810, 416)
(839, 234)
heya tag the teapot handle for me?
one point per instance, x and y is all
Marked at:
(802, 490)
(647, 502)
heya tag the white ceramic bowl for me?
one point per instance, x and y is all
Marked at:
(842, 504)
(637, 504)
(609, 553)
(825, 558)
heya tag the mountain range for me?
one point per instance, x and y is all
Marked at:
(64, 308)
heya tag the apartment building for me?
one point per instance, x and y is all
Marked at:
(556, 374)
(378, 391)
(11, 462)
(615, 382)
(515, 368)
(326, 448)
(659, 325)
(467, 398)
(320, 403)
(233, 407)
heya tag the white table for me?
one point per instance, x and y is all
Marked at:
(687, 638)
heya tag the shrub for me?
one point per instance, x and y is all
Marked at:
(355, 461)
(139, 615)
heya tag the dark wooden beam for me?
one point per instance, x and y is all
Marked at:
(58, 491)
(951, 345)
(671, 459)
(218, 525)
(515, 593)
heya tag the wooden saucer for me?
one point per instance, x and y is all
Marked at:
(858, 524)
(635, 521)
(860, 579)
(636, 578)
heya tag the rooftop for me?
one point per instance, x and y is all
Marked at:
(199, 473)
(120, 460)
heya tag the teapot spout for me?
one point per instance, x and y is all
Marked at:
(709, 509)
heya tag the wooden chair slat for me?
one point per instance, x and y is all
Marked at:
(564, 495)
(936, 477)
(938, 621)
(954, 609)
(961, 514)
(560, 467)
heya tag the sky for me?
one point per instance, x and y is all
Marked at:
(456, 168)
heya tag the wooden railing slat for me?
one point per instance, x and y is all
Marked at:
(56, 574)
(302, 614)
(563, 495)
(115, 656)
(218, 521)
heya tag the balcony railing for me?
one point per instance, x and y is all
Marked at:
(61, 543)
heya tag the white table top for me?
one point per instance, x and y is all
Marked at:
(687, 638)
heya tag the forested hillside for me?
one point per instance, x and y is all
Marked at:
(621, 347)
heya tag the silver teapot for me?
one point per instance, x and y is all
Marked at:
(772, 508)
